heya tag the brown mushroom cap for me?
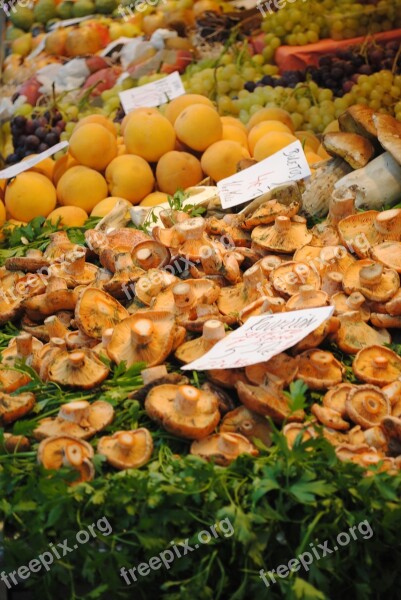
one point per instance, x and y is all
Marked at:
(374, 281)
(389, 134)
(247, 423)
(30, 263)
(183, 410)
(284, 236)
(377, 365)
(362, 455)
(65, 450)
(261, 306)
(125, 275)
(233, 299)
(319, 369)
(156, 280)
(359, 119)
(329, 417)
(223, 448)
(151, 254)
(356, 150)
(363, 230)
(14, 443)
(282, 367)
(307, 297)
(181, 297)
(127, 449)
(389, 254)
(195, 244)
(15, 407)
(21, 347)
(80, 368)
(213, 332)
(393, 306)
(292, 430)
(354, 302)
(74, 269)
(355, 334)
(316, 337)
(96, 311)
(266, 213)
(367, 405)
(228, 226)
(335, 398)
(57, 297)
(268, 400)
(143, 337)
(290, 276)
(226, 378)
(78, 418)
(375, 437)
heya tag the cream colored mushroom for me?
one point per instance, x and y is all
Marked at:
(79, 419)
(127, 449)
(223, 448)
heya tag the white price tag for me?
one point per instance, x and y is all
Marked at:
(25, 165)
(121, 41)
(153, 94)
(289, 164)
(68, 22)
(261, 338)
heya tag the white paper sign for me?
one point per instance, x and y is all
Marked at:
(289, 164)
(153, 94)
(121, 41)
(68, 22)
(261, 338)
(22, 166)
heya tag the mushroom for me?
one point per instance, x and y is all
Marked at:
(362, 454)
(392, 429)
(355, 334)
(225, 400)
(79, 369)
(269, 400)
(227, 378)
(125, 275)
(329, 417)
(389, 254)
(393, 392)
(356, 150)
(78, 418)
(223, 448)
(180, 298)
(127, 449)
(213, 332)
(151, 254)
(101, 348)
(57, 297)
(266, 213)
(336, 396)
(67, 451)
(317, 336)
(332, 283)
(307, 297)
(377, 365)
(292, 430)
(269, 263)
(74, 269)
(282, 367)
(195, 244)
(229, 228)
(21, 348)
(96, 311)
(78, 339)
(154, 281)
(361, 231)
(15, 407)
(30, 263)
(45, 355)
(389, 134)
(353, 303)
(195, 319)
(284, 236)
(154, 376)
(261, 306)
(319, 369)
(341, 205)
(359, 119)
(374, 281)
(183, 410)
(234, 298)
(59, 245)
(376, 438)
(367, 405)
(247, 423)
(55, 327)
(14, 443)
(290, 276)
(143, 337)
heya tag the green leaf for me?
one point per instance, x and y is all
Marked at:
(306, 591)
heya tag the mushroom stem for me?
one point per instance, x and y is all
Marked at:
(77, 359)
(341, 204)
(76, 264)
(282, 224)
(306, 292)
(332, 283)
(24, 344)
(75, 412)
(272, 305)
(192, 229)
(34, 253)
(102, 276)
(228, 443)
(385, 220)
(73, 455)
(253, 277)
(54, 327)
(106, 337)
(269, 263)
(184, 296)
(142, 331)
(371, 405)
(146, 259)
(212, 262)
(153, 373)
(321, 361)
(125, 442)
(213, 332)
(56, 284)
(371, 275)
(355, 300)
(123, 262)
(186, 399)
(57, 342)
(380, 362)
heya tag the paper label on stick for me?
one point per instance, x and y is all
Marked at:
(289, 164)
(25, 165)
(261, 338)
(153, 94)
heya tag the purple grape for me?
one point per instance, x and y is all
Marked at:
(42, 147)
(41, 132)
(51, 138)
(29, 127)
(32, 142)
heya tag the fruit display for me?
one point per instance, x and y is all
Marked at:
(122, 271)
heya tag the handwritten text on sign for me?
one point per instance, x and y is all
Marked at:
(152, 94)
(289, 164)
(261, 338)
(14, 170)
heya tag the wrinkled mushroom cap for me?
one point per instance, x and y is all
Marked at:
(329, 417)
(183, 410)
(267, 400)
(354, 302)
(156, 280)
(80, 368)
(127, 449)
(227, 378)
(30, 263)
(307, 297)
(290, 276)
(359, 119)
(377, 365)
(15, 407)
(356, 150)
(374, 281)
(223, 448)
(96, 311)
(66, 450)
(389, 254)
(319, 369)
(284, 236)
(389, 134)
(78, 418)
(182, 296)
(247, 423)
(266, 213)
(367, 405)
(355, 334)
(282, 367)
(293, 430)
(336, 396)
(146, 336)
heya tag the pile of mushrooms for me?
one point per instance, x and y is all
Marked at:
(169, 295)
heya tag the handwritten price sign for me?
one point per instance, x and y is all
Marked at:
(289, 164)
(152, 94)
(261, 338)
